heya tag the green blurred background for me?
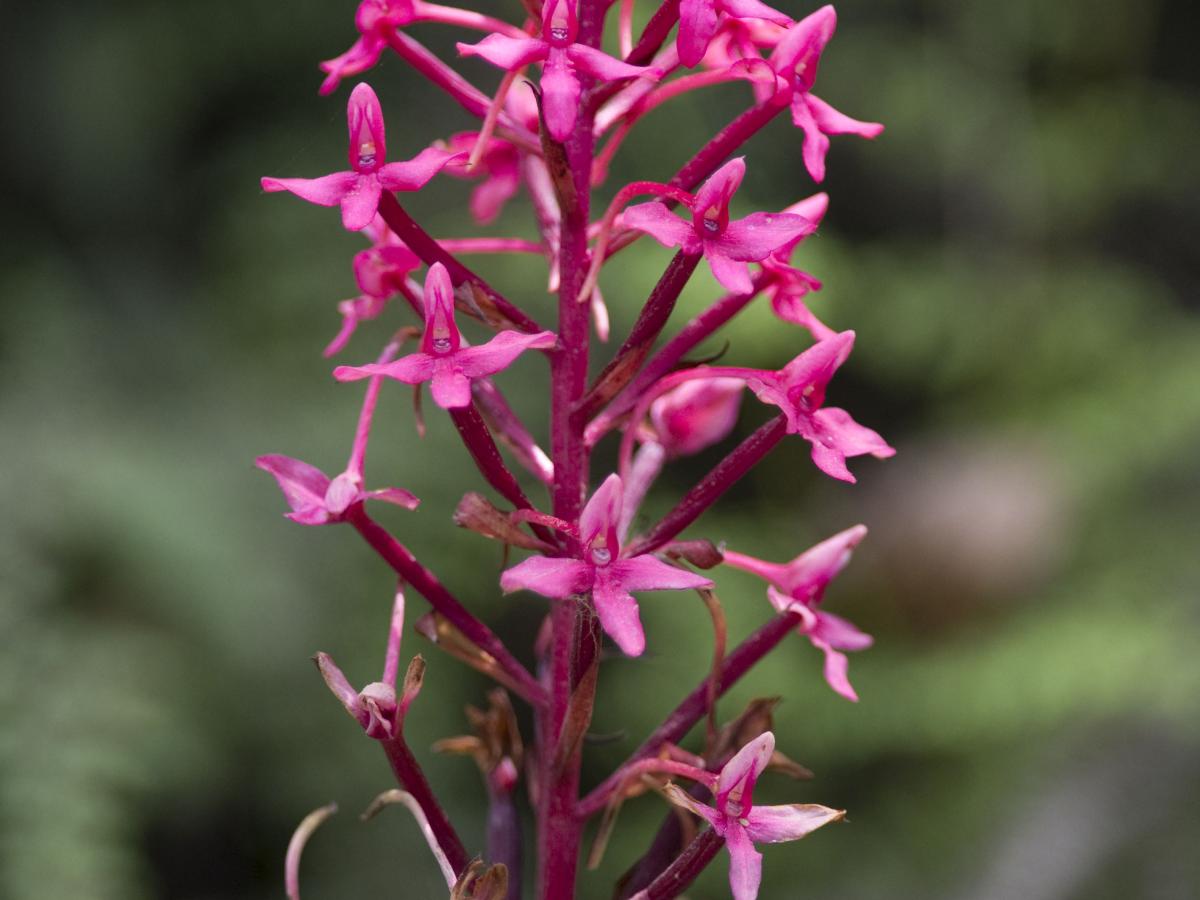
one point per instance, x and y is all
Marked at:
(1018, 255)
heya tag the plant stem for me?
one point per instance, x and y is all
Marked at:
(412, 779)
(709, 157)
(478, 441)
(685, 869)
(654, 34)
(706, 492)
(694, 706)
(427, 585)
(425, 246)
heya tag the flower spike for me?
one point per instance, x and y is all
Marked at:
(358, 191)
(603, 571)
(444, 358)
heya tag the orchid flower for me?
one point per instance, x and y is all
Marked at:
(373, 19)
(380, 272)
(728, 246)
(359, 190)
(795, 61)
(698, 23)
(379, 707)
(315, 498)
(696, 415)
(790, 286)
(799, 586)
(603, 571)
(742, 824)
(499, 169)
(564, 61)
(444, 358)
(799, 390)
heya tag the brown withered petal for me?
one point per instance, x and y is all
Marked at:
(480, 882)
(476, 513)
(703, 554)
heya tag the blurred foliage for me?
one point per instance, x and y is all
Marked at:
(1017, 254)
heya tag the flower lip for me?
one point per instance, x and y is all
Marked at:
(560, 27)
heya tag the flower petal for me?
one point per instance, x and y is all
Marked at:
(775, 824)
(560, 94)
(602, 513)
(753, 9)
(395, 496)
(738, 776)
(759, 234)
(721, 185)
(682, 798)
(618, 612)
(604, 67)
(506, 52)
(303, 486)
(733, 275)
(697, 25)
(328, 190)
(490, 195)
(836, 670)
(840, 633)
(830, 121)
(816, 145)
(798, 52)
(414, 173)
(412, 369)
(649, 573)
(499, 353)
(745, 864)
(806, 577)
(450, 387)
(851, 438)
(557, 578)
(361, 203)
(660, 223)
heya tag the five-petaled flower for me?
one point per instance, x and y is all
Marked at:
(602, 570)
(698, 22)
(728, 246)
(742, 824)
(799, 586)
(799, 390)
(795, 61)
(444, 359)
(563, 61)
(359, 190)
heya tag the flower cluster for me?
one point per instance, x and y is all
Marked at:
(552, 140)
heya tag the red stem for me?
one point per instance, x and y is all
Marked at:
(412, 779)
(654, 34)
(427, 585)
(694, 706)
(425, 246)
(686, 867)
(709, 157)
(723, 476)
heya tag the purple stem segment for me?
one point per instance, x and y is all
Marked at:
(427, 585)
(686, 867)
(705, 493)
(412, 779)
(654, 34)
(709, 157)
(694, 706)
(504, 838)
(478, 441)
(649, 325)
(425, 246)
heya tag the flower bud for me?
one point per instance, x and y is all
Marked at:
(697, 414)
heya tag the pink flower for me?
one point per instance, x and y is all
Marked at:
(499, 169)
(799, 390)
(316, 499)
(728, 246)
(790, 286)
(698, 22)
(374, 19)
(358, 191)
(743, 824)
(795, 61)
(443, 358)
(696, 415)
(799, 586)
(380, 272)
(603, 571)
(563, 58)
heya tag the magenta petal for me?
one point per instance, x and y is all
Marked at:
(556, 578)
(364, 121)
(773, 573)
(507, 52)
(697, 25)
(775, 824)
(413, 174)
(602, 513)
(660, 223)
(733, 275)
(828, 459)
(648, 573)
(489, 197)
(812, 208)
(802, 44)
(840, 633)
(412, 369)
(451, 389)
(753, 9)
(745, 864)
(721, 185)
(741, 772)
(759, 234)
(303, 486)
(603, 66)
(682, 798)
(618, 612)
(830, 121)
(395, 496)
(848, 436)
(836, 670)
(560, 94)
(816, 145)
(807, 576)
(341, 688)
(327, 190)
(499, 353)
(361, 203)
(815, 367)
